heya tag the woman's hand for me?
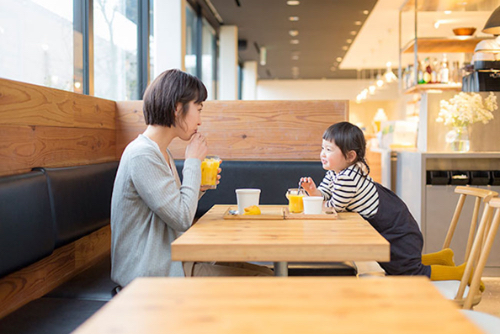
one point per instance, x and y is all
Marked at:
(205, 188)
(197, 147)
(309, 186)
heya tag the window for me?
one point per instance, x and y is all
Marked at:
(41, 53)
(191, 39)
(209, 57)
(115, 49)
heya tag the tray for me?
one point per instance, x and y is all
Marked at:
(322, 216)
(266, 214)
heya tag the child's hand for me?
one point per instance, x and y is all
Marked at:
(309, 186)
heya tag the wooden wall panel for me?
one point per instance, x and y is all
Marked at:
(25, 147)
(34, 281)
(249, 130)
(26, 104)
(46, 127)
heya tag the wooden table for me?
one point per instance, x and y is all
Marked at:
(348, 238)
(240, 305)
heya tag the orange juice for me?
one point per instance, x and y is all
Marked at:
(295, 203)
(209, 168)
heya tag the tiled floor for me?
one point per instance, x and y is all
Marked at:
(490, 301)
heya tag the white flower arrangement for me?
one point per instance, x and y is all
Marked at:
(467, 108)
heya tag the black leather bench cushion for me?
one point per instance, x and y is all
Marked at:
(26, 228)
(272, 177)
(49, 316)
(93, 284)
(80, 198)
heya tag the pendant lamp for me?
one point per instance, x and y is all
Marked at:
(493, 24)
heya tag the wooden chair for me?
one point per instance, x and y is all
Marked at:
(469, 296)
(484, 249)
(482, 196)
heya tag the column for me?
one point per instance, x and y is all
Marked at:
(169, 35)
(249, 80)
(228, 63)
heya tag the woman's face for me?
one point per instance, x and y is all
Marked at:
(186, 127)
(332, 157)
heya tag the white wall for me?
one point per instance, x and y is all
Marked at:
(319, 90)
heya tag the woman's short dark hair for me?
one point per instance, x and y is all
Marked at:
(348, 137)
(166, 91)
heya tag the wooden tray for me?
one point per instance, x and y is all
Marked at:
(275, 213)
(301, 215)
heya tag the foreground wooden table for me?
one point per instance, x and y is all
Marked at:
(348, 238)
(399, 305)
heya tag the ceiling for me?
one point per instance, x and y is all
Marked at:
(326, 29)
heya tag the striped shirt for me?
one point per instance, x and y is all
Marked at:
(349, 190)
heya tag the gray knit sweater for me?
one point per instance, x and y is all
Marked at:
(149, 210)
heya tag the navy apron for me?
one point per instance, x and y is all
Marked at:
(395, 223)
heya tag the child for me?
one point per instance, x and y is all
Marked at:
(347, 187)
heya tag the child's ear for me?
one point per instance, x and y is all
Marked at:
(351, 156)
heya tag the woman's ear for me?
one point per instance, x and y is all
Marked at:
(178, 109)
(351, 156)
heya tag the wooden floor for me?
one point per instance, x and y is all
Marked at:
(490, 301)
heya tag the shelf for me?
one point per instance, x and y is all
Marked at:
(444, 45)
(437, 86)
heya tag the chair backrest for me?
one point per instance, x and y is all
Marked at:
(487, 231)
(481, 195)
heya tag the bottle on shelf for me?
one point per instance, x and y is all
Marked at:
(420, 73)
(435, 69)
(427, 71)
(444, 71)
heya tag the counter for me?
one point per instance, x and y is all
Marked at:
(433, 205)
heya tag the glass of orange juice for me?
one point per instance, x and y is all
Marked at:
(295, 203)
(209, 168)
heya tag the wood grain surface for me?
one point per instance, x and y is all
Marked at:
(25, 104)
(32, 282)
(348, 238)
(46, 127)
(249, 130)
(289, 305)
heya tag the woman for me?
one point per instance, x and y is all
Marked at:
(150, 208)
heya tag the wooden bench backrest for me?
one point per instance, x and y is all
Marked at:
(249, 130)
(46, 127)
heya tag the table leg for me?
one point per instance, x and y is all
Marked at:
(281, 269)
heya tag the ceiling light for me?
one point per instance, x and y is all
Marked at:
(353, 32)
(295, 57)
(358, 23)
(366, 12)
(371, 89)
(436, 24)
(339, 59)
(292, 3)
(349, 41)
(293, 33)
(447, 12)
(293, 18)
(389, 76)
(345, 48)
(294, 41)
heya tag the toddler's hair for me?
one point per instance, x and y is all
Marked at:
(348, 137)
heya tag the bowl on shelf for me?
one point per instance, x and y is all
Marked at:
(464, 31)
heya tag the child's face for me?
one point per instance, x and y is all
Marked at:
(332, 157)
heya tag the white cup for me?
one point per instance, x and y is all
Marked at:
(313, 205)
(246, 198)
